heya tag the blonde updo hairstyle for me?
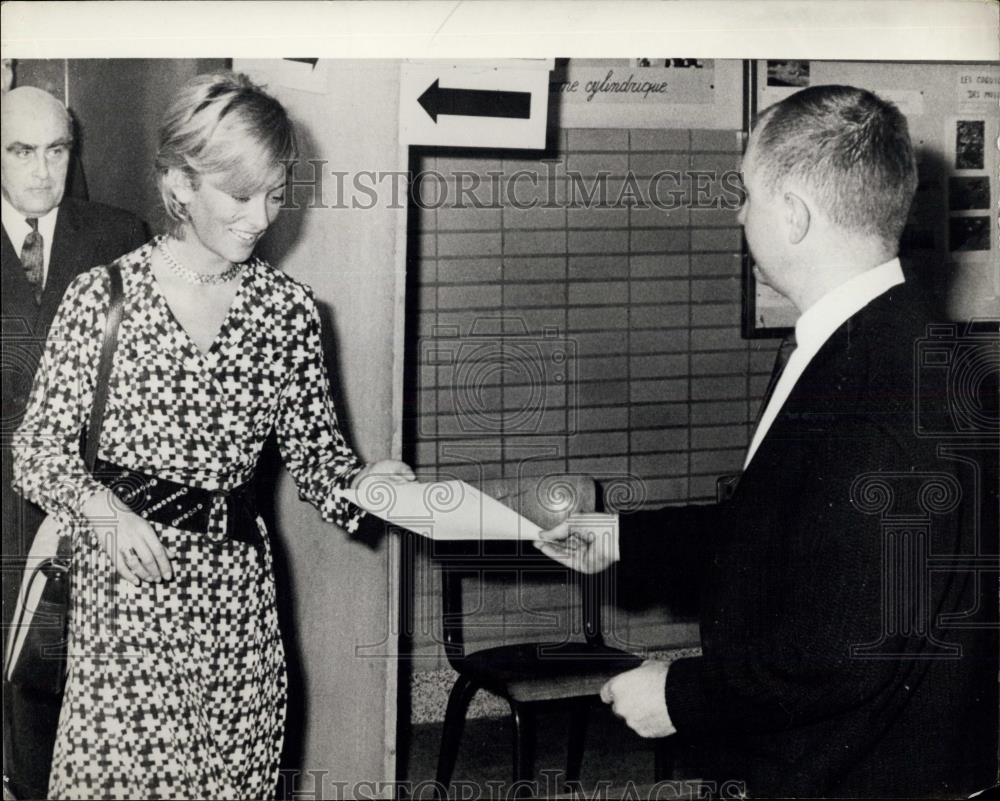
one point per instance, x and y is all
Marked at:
(221, 124)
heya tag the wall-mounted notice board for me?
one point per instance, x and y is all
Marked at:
(951, 241)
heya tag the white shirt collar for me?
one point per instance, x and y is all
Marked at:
(826, 315)
(813, 329)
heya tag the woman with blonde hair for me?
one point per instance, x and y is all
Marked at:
(176, 686)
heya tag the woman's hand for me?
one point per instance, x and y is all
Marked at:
(131, 544)
(390, 470)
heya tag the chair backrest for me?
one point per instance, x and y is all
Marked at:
(545, 501)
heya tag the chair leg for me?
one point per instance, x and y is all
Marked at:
(454, 721)
(663, 759)
(524, 741)
(577, 734)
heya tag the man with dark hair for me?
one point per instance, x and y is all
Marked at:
(47, 240)
(835, 660)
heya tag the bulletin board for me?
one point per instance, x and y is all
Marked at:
(952, 239)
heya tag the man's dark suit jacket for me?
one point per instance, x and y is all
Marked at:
(86, 234)
(801, 565)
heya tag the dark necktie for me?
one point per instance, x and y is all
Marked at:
(33, 257)
(726, 485)
(780, 360)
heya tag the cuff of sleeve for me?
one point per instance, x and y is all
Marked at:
(81, 491)
(687, 697)
(632, 560)
(347, 478)
(333, 508)
(340, 511)
(348, 516)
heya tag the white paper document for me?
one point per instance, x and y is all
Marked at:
(442, 510)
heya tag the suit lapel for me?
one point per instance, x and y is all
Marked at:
(66, 247)
(70, 247)
(18, 298)
(809, 408)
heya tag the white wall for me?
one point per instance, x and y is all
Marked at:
(351, 258)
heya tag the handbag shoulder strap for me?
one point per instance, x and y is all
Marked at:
(104, 367)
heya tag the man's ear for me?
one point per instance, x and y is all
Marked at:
(180, 184)
(797, 217)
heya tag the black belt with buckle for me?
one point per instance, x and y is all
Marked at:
(181, 506)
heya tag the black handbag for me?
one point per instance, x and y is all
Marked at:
(37, 645)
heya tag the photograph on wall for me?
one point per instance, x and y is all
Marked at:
(968, 193)
(921, 233)
(675, 63)
(968, 233)
(970, 144)
(788, 73)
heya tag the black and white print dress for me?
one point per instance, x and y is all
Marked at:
(177, 689)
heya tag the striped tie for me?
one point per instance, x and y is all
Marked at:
(32, 257)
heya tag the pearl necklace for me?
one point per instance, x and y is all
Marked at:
(193, 277)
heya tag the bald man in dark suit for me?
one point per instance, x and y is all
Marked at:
(848, 586)
(47, 240)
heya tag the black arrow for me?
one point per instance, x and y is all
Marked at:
(475, 103)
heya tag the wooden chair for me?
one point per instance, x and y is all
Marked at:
(526, 675)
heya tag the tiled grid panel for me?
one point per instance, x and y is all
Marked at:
(553, 328)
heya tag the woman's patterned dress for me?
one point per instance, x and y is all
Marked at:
(177, 689)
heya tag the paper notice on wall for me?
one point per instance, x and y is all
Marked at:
(303, 74)
(979, 89)
(908, 101)
(442, 510)
(643, 81)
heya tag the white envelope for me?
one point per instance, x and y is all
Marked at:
(442, 510)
